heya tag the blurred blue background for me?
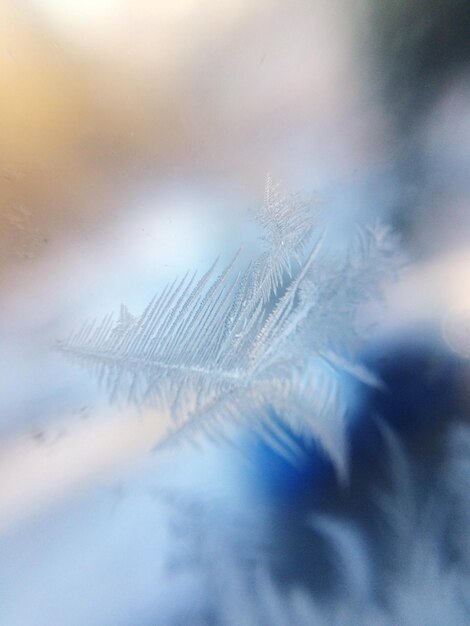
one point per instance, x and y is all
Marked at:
(135, 142)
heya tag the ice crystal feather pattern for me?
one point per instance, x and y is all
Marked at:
(219, 348)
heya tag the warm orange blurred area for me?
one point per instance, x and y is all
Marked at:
(72, 125)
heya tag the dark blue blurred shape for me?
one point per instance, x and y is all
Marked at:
(311, 476)
(419, 395)
(421, 391)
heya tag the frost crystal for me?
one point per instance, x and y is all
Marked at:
(233, 346)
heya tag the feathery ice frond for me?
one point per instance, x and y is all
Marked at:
(212, 348)
(178, 339)
(288, 224)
